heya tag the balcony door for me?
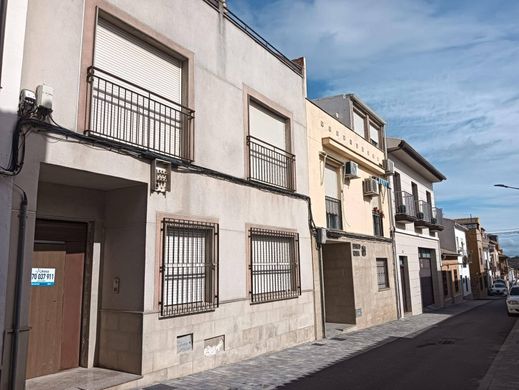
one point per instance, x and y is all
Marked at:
(333, 198)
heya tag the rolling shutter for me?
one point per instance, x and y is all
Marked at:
(267, 126)
(128, 57)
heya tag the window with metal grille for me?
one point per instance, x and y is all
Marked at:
(378, 227)
(456, 281)
(382, 274)
(189, 267)
(274, 265)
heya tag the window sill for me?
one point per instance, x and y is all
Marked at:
(384, 289)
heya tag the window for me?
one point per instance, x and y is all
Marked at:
(456, 281)
(359, 123)
(137, 94)
(269, 159)
(332, 198)
(189, 267)
(374, 132)
(445, 284)
(274, 265)
(378, 226)
(382, 274)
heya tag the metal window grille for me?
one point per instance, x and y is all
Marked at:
(456, 281)
(445, 284)
(378, 227)
(270, 165)
(382, 274)
(274, 265)
(130, 115)
(189, 267)
(333, 213)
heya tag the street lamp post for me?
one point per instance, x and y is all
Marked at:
(505, 186)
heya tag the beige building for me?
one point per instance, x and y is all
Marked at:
(148, 249)
(417, 221)
(350, 205)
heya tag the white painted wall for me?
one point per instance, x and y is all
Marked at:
(464, 271)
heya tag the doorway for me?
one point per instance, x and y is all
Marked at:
(426, 277)
(55, 312)
(404, 284)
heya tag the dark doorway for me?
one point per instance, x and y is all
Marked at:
(426, 280)
(405, 284)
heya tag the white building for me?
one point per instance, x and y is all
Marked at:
(417, 222)
(461, 247)
(168, 212)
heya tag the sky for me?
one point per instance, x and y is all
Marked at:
(443, 74)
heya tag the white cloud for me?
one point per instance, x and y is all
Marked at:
(443, 74)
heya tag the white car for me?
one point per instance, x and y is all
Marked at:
(498, 288)
(512, 301)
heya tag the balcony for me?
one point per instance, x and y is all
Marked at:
(333, 213)
(405, 210)
(270, 165)
(436, 219)
(423, 214)
(134, 118)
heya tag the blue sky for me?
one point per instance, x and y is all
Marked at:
(443, 74)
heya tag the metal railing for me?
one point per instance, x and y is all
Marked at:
(130, 115)
(189, 270)
(274, 265)
(424, 211)
(437, 216)
(270, 165)
(333, 213)
(405, 204)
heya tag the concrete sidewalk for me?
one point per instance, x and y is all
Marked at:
(503, 374)
(275, 369)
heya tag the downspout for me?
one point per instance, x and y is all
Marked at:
(15, 345)
(398, 293)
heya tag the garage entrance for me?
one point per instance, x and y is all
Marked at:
(57, 280)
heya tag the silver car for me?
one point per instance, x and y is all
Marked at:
(512, 301)
(498, 288)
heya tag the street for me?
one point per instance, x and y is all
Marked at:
(455, 354)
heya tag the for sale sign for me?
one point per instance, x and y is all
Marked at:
(43, 276)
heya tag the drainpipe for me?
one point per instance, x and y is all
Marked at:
(15, 345)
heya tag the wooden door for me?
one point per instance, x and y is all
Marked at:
(426, 282)
(403, 281)
(46, 314)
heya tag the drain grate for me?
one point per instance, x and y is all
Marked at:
(338, 339)
(159, 386)
(318, 344)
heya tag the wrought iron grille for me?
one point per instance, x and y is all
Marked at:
(189, 267)
(274, 265)
(333, 213)
(437, 216)
(382, 274)
(405, 204)
(130, 115)
(270, 165)
(424, 211)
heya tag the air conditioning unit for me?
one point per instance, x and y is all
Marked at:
(389, 166)
(351, 170)
(370, 187)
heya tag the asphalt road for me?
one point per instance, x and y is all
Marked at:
(454, 354)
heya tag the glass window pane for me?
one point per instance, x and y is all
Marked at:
(358, 124)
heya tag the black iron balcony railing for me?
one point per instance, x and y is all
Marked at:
(436, 219)
(130, 115)
(423, 214)
(270, 165)
(333, 213)
(405, 209)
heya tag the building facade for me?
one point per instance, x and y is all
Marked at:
(350, 205)
(455, 270)
(148, 249)
(417, 223)
(477, 244)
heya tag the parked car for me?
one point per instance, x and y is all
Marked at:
(498, 288)
(512, 302)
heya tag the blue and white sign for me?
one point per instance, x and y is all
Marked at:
(43, 276)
